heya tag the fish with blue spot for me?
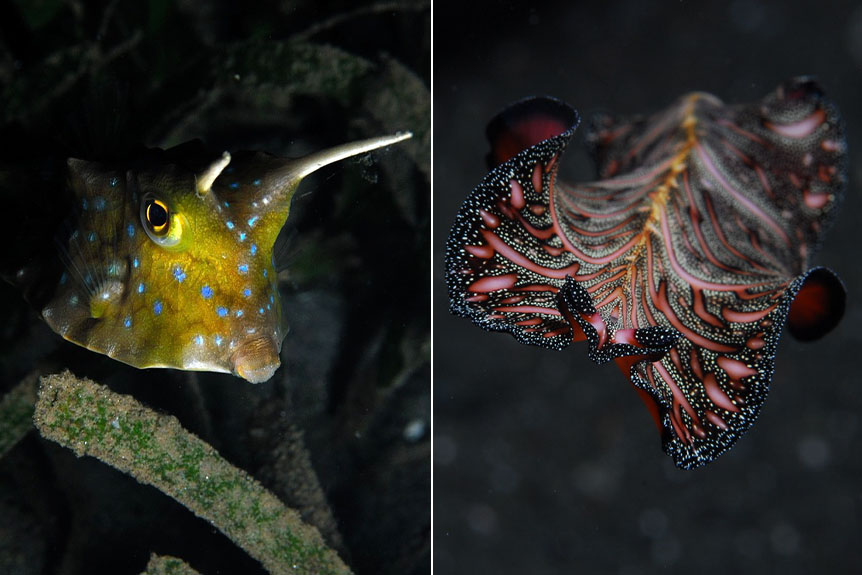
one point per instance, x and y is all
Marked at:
(168, 261)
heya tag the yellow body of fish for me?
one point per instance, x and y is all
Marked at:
(171, 265)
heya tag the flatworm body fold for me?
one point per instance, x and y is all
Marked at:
(681, 264)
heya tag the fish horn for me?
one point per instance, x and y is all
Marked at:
(301, 167)
(204, 181)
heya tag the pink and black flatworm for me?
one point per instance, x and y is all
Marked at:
(682, 264)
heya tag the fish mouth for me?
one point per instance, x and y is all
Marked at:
(256, 359)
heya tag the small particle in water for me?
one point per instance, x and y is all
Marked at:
(415, 430)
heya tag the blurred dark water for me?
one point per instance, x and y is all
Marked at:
(545, 463)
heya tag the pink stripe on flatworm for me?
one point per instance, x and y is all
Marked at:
(716, 394)
(494, 283)
(527, 309)
(755, 342)
(517, 195)
(831, 146)
(477, 298)
(800, 129)
(538, 209)
(695, 364)
(745, 316)
(515, 257)
(531, 321)
(484, 252)
(537, 179)
(716, 420)
(815, 200)
(513, 299)
(735, 368)
(490, 219)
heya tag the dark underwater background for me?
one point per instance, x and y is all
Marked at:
(99, 80)
(545, 463)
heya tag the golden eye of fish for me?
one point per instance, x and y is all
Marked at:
(164, 226)
(157, 216)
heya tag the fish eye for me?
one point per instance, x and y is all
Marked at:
(156, 213)
(163, 225)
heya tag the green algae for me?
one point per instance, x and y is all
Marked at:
(90, 419)
(166, 565)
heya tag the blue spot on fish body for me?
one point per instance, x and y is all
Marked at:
(218, 339)
(261, 311)
(256, 182)
(179, 274)
(130, 229)
(92, 236)
(253, 249)
(128, 321)
(206, 292)
(234, 185)
(157, 307)
(271, 298)
(264, 272)
(227, 204)
(221, 311)
(243, 268)
(141, 287)
(246, 292)
(252, 220)
(229, 225)
(238, 313)
(135, 263)
(199, 339)
(114, 182)
(242, 236)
